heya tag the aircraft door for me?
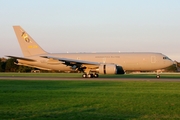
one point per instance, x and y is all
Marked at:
(153, 59)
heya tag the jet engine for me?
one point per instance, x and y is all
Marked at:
(110, 69)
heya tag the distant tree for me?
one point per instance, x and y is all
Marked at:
(24, 69)
(10, 66)
(178, 64)
(171, 68)
(2, 65)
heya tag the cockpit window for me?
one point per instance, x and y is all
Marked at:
(166, 58)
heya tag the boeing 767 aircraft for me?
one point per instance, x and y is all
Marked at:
(91, 64)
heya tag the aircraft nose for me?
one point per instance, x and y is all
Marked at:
(170, 62)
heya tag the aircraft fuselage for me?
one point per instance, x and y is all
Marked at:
(129, 61)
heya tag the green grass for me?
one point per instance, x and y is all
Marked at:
(41, 74)
(78, 75)
(89, 100)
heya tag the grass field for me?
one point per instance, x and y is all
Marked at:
(89, 100)
(78, 75)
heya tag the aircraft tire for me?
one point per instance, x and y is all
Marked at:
(84, 75)
(96, 75)
(90, 75)
(158, 76)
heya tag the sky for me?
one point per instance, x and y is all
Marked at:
(61, 26)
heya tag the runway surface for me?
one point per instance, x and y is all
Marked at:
(103, 79)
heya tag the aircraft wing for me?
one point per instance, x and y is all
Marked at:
(72, 61)
(79, 65)
(22, 58)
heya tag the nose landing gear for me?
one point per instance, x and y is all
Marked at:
(158, 76)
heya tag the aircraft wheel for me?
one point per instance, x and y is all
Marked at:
(158, 76)
(96, 75)
(84, 75)
(90, 75)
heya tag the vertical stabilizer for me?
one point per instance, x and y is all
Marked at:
(28, 46)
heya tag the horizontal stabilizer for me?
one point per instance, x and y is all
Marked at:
(21, 58)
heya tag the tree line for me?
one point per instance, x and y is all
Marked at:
(7, 65)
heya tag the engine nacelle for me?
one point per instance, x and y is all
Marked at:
(110, 69)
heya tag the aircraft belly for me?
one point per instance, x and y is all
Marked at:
(60, 67)
(46, 65)
(132, 66)
(142, 67)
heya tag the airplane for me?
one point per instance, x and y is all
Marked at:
(90, 64)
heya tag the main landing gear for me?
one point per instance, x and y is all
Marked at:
(90, 75)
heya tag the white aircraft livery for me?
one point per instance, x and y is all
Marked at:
(90, 64)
